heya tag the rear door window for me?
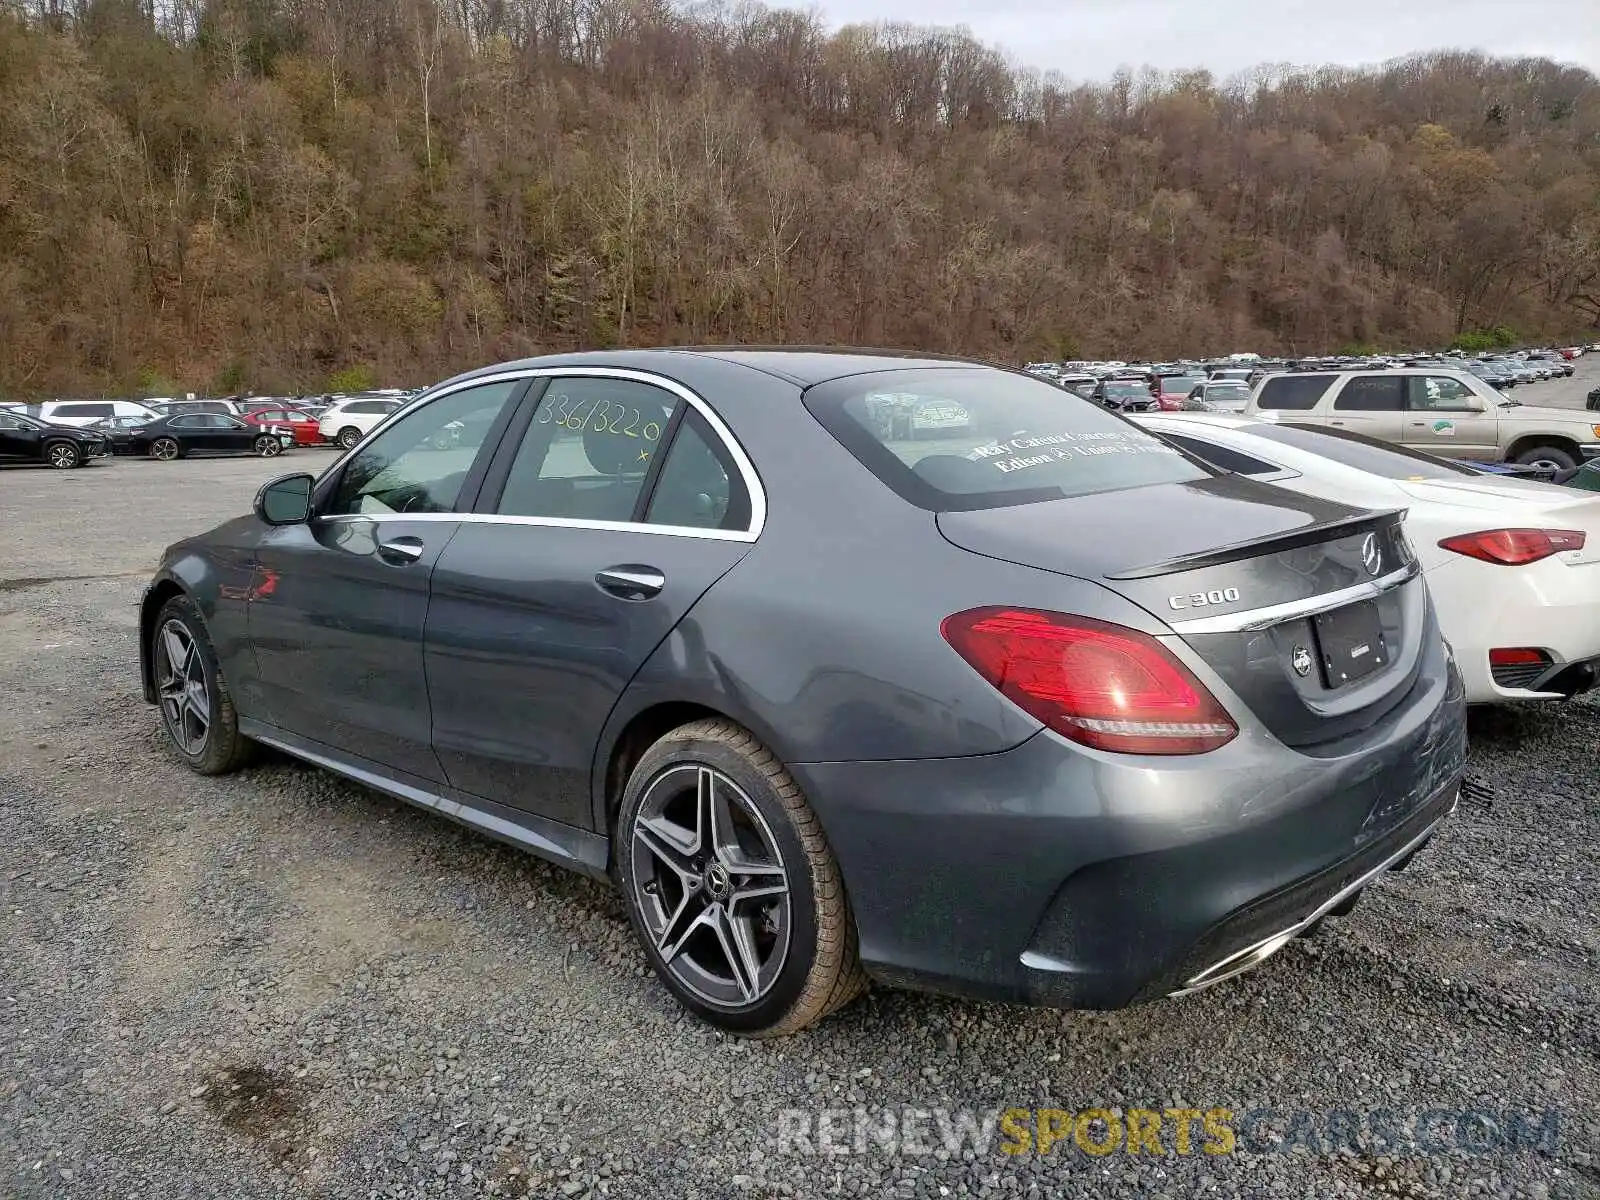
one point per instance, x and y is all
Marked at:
(1224, 458)
(1300, 392)
(949, 439)
(1372, 393)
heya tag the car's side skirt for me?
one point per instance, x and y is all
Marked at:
(578, 849)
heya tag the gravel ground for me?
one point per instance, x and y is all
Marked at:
(282, 984)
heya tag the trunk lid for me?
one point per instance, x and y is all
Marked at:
(1208, 557)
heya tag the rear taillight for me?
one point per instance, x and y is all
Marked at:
(1514, 547)
(1100, 684)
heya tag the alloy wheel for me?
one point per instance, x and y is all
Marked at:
(349, 437)
(268, 447)
(166, 449)
(711, 885)
(63, 457)
(181, 686)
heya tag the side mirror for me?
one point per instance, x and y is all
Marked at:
(286, 500)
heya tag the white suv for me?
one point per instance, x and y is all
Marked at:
(83, 413)
(348, 421)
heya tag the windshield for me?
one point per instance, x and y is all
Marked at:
(1126, 388)
(994, 438)
(1361, 452)
(1180, 383)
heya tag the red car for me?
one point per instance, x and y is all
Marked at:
(1172, 390)
(302, 424)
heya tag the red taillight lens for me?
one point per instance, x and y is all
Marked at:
(1514, 547)
(1100, 684)
(1515, 656)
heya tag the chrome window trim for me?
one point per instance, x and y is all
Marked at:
(747, 470)
(1262, 618)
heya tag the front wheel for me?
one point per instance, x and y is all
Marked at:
(731, 885)
(63, 456)
(1547, 458)
(349, 436)
(196, 709)
(268, 447)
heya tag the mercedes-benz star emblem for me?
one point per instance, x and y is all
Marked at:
(1371, 558)
(1301, 661)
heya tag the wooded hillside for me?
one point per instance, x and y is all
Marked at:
(218, 194)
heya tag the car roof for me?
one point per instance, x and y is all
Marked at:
(799, 365)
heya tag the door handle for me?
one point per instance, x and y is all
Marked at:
(631, 582)
(400, 551)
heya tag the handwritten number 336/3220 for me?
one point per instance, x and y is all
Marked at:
(600, 416)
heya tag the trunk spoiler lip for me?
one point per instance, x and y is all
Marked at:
(1305, 535)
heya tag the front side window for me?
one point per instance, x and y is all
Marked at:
(588, 450)
(1440, 393)
(995, 438)
(1363, 453)
(419, 463)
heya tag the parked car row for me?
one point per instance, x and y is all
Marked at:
(1220, 385)
(1169, 690)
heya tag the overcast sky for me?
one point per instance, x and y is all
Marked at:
(1089, 39)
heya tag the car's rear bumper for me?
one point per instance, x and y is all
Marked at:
(1549, 606)
(1052, 875)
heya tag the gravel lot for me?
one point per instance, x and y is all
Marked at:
(282, 984)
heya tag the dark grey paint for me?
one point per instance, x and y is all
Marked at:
(491, 681)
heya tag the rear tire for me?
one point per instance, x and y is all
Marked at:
(1551, 458)
(268, 447)
(349, 436)
(166, 449)
(63, 456)
(734, 951)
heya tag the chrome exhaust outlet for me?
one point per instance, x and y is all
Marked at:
(1254, 955)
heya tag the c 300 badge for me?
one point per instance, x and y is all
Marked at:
(1301, 661)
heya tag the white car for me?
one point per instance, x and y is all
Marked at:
(348, 421)
(83, 413)
(1513, 565)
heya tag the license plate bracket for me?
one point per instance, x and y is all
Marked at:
(1350, 643)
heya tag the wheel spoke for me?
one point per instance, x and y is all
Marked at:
(760, 883)
(680, 926)
(177, 652)
(739, 945)
(715, 817)
(665, 842)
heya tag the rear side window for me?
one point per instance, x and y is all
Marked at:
(1300, 391)
(1224, 458)
(1372, 393)
(948, 439)
(85, 410)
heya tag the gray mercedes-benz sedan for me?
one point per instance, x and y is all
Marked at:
(842, 666)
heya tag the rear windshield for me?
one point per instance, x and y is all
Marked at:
(1292, 391)
(1126, 387)
(953, 439)
(1180, 383)
(1361, 452)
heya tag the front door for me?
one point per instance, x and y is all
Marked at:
(337, 618)
(603, 521)
(1445, 416)
(19, 437)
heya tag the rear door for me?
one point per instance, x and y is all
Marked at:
(1374, 405)
(617, 499)
(1446, 416)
